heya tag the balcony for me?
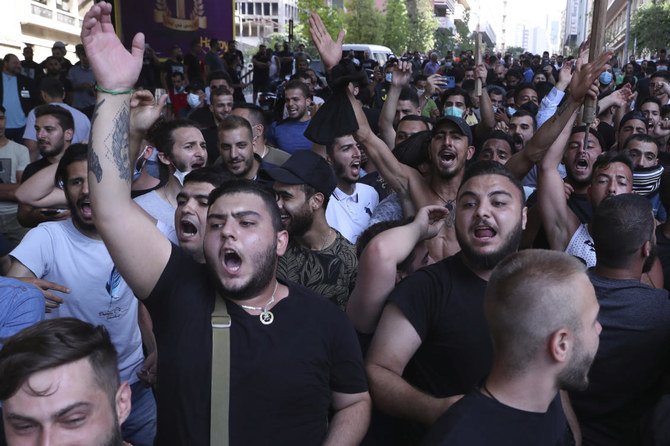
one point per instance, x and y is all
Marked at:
(51, 19)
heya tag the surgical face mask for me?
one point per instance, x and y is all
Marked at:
(179, 175)
(193, 100)
(388, 77)
(510, 111)
(453, 111)
(605, 78)
(139, 164)
(420, 91)
(180, 89)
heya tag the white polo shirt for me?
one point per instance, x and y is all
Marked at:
(350, 214)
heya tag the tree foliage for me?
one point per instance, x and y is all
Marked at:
(649, 25)
(396, 26)
(445, 40)
(515, 50)
(363, 21)
(422, 25)
(333, 18)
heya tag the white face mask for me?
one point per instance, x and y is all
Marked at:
(193, 100)
(420, 91)
(179, 175)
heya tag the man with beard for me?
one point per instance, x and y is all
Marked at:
(632, 123)
(60, 384)
(289, 134)
(432, 344)
(54, 129)
(236, 147)
(17, 95)
(450, 148)
(318, 256)
(522, 127)
(296, 372)
(627, 374)
(542, 312)
(590, 173)
(643, 151)
(71, 253)
(352, 203)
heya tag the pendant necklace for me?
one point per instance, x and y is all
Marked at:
(266, 315)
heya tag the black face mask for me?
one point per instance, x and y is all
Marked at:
(530, 107)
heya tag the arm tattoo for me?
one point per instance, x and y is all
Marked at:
(94, 164)
(93, 160)
(120, 143)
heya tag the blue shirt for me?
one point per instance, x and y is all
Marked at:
(21, 305)
(289, 136)
(10, 100)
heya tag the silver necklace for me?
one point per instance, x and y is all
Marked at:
(266, 315)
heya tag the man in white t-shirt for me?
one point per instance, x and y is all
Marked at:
(351, 204)
(53, 93)
(70, 252)
(13, 159)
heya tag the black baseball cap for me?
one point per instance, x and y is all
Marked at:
(460, 124)
(306, 167)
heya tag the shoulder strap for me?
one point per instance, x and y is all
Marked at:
(220, 400)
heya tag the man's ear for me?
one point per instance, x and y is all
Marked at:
(471, 152)
(122, 400)
(68, 135)
(561, 345)
(316, 201)
(282, 242)
(163, 158)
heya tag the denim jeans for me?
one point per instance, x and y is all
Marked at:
(140, 427)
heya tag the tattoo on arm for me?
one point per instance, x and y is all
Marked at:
(94, 165)
(93, 160)
(120, 144)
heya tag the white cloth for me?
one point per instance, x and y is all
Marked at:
(161, 210)
(58, 252)
(82, 125)
(350, 214)
(14, 158)
(581, 245)
(548, 106)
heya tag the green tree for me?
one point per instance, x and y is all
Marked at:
(464, 36)
(333, 18)
(422, 25)
(445, 40)
(396, 26)
(363, 22)
(649, 25)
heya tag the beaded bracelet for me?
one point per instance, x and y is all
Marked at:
(113, 92)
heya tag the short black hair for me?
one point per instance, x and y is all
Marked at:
(54, 343)
(521, 113)
(219, 74)
(52, 87)
(607, 158)
(162, 136)
(621, 225)
(74, 153)
(62, 115)
(244, 186)
(210, 175)
(409, 94)
(479, 168)
(296, 84)
(594, 132)
(457, 91)
(642, 137)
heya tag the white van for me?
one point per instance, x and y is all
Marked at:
(377, 52)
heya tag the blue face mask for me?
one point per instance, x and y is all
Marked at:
(388, 77)
(453, 111)
(511, 111)
(605, 78)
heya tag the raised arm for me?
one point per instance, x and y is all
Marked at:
(581, 84)
(378, 265)
(139, 250)
(401, 75)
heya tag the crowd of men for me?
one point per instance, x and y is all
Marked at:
(428, 252)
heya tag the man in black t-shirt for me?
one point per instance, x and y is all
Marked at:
(296, 374)
(432, 344)
(542, 312)
(628, 373)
